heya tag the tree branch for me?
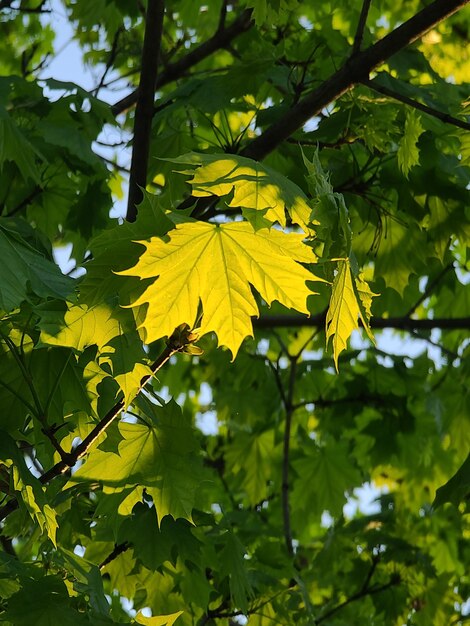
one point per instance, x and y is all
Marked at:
(144, 110)
(368, 591)
(77, 453)
(399, 323)
(289, 407)
(360, 27)
(390, 93)
(429, 288)
(221, 38)
(355, 70)
(119, 548)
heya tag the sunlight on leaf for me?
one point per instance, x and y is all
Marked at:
(255, 187)
(346, 307)
(216, 265)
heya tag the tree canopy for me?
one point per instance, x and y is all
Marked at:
(247, 402)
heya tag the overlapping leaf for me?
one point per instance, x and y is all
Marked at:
(257, 188)
(160, 457)
(24, 272)
(348, 304)
(215, 265)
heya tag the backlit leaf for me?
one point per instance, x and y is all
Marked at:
(158, 456)
(216, 265)
(347, 305)
(255, 187)
(408, 152)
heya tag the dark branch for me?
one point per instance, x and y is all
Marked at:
(144, 109)
(429, 288)
(399, 323)
(289, 408)
(390, 93)
(360, 27)
(368, 591)
(119, 548)
(111, 59)
(355, 70)
(220, 39)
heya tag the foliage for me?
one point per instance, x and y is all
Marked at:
(195, 417)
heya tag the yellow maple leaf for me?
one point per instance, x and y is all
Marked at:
(348, 303)
(255, 187)
(215, 265)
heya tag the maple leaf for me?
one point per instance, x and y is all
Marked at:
(349, 302)
(216, 265)
(162, 458)
(263, 193)
(408, 152)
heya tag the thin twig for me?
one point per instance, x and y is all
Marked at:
(395, 580)
(289, 408)
(360, 27)
(118, 549)
(112, 57)
(144, 110)
(430, 287)
(440, 115)
(173, 71)
(77, 453)
(398, 323)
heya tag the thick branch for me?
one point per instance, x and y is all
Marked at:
(399, 323)
(355, 70)
(221, 38)
(390, 93)
(144, 110)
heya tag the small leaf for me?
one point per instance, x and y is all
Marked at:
(25, 271)
(408, 153)
(160, 620)
(346, 307)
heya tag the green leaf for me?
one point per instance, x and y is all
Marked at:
(408, 152)
(325, 473)
(183, 268)
(232, 564)
(44, 602)
(159, 455)
(329, 209)
(24, 272)
(16, 148)
(457, 488)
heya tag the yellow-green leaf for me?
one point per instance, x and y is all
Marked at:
(346, 307)
(158, 620)
(255, 187)
(215, 265)
(83, 327)
(408, 153)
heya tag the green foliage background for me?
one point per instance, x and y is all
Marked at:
(141, 466)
